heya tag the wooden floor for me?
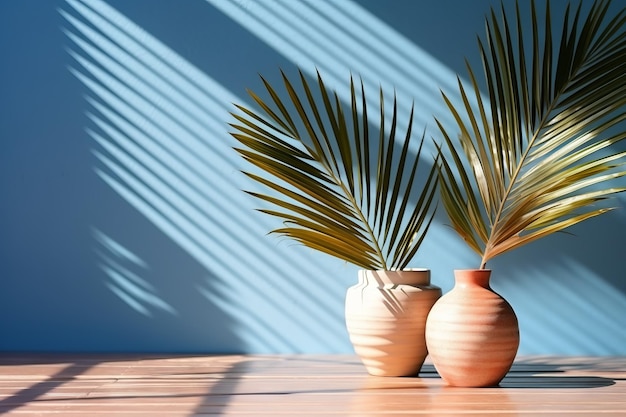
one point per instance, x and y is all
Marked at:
(295, 385)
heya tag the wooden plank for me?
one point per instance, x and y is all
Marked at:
(295, 385)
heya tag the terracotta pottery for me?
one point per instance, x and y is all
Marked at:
(386, 318)
(472, 332)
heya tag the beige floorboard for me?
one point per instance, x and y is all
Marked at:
(295, 385)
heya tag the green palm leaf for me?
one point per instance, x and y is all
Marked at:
(361, 198)
(536, 158)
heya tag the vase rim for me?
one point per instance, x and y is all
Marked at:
(473, 269)
(412, 276)
(399, 270)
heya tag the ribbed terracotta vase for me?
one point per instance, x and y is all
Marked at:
(386, 319)
(472, 332)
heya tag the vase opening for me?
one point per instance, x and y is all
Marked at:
(412, 276)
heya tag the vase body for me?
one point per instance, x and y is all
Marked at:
(386, 318)
(472, 332)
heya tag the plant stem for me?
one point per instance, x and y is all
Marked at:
(338, 181)
(368, 229)
(512, 180)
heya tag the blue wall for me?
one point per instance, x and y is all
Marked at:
(122, 223)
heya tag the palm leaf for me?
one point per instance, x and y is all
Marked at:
(364, 199)
(539, 151)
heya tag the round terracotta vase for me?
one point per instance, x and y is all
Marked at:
(386, 318)
(472, 332)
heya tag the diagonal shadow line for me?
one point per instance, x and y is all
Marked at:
(193, 244)
(131, 95)
(72, 372)
(133, 289)
(122, 165)
(182, 126)
(33, 392)
(348, 18)
(191, 197)
(214, 401)
(187, 83)
(180, 163)
(272, 32)
(561, 331)
(292, 49)
(156, 100)
(200, 224)
(320, 300)
(160, 207)
(179, 234)
(154, 104)
(289, 43)
(340, 30)
(273, 29)
(126, 281)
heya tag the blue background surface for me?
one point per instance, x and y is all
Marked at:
(122, 223)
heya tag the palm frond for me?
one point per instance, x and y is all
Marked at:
(538, 152)
(341, 187)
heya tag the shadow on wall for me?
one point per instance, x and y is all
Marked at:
(160, 142)
(157, 126)
(340, 38)
(567, 292)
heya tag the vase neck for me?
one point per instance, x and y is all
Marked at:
(472, 277)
